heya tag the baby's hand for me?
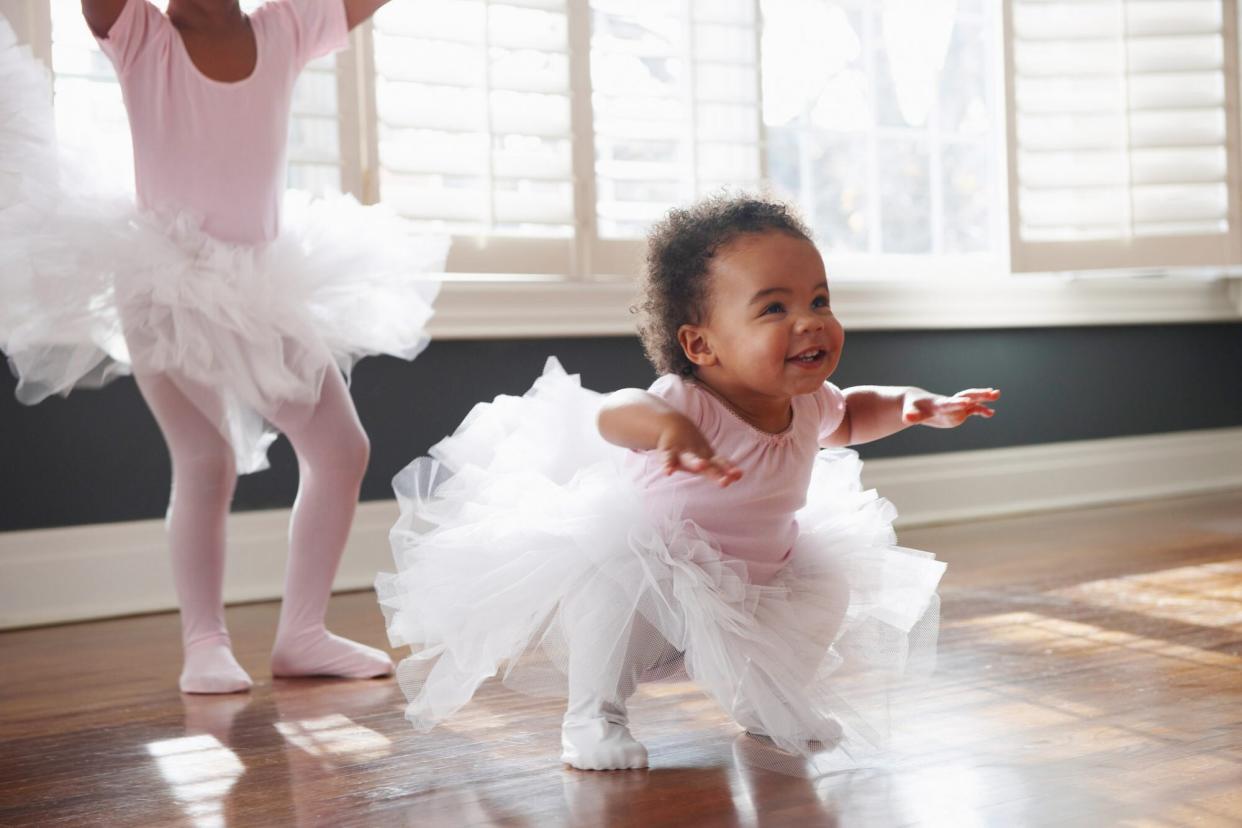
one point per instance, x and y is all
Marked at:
(924, 408)
(686, 449)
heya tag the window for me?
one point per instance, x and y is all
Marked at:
(546, 135)
(673, 114)
(87, 97)
(474, 115)
(882, 125)
(315, 162)
(478, 126)
(674, 95)
(1123, 134)
(474, 124)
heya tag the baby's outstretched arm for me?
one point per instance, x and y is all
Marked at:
(635, 419)
(873, 411)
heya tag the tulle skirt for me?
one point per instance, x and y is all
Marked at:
(525, 550)
(92, 288)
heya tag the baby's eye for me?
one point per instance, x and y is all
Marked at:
(774, 307)
(819, 302)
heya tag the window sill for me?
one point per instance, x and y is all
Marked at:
(495, 308)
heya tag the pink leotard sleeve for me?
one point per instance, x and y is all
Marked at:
(689, 400)
(135, 29)
(831, 404)
(319, 26)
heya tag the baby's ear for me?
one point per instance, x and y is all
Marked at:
(693, 341)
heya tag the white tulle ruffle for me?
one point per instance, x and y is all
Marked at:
(92, 288)
(524, 551)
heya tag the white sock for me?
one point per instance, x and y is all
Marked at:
(595, 736)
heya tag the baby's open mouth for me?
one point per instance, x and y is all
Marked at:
(810, 357)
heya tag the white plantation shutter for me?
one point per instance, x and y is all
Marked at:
(1123, 133)
(675, 99)
(474, 133)
(546, 135)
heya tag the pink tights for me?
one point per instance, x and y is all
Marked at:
(332, 451)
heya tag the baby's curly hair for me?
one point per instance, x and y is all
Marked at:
(680, 249)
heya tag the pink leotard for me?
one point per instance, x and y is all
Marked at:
(217, 150)
(753, 519)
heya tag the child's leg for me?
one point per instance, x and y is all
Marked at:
(820, 595)
(600, 631)
(332, 452)
(204, 476)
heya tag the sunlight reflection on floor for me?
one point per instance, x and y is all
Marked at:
(335, 736)
(200, 771)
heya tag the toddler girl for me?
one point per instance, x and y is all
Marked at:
(700, 527)
(235, 320)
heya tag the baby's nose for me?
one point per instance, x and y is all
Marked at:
(809, 322)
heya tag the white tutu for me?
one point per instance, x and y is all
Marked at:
(524, 546)
(92, 288)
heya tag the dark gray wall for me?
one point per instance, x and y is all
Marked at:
(97, 456)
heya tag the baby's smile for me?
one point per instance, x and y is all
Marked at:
(809, 358)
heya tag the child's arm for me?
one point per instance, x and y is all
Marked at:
(358, 11)
(635, 419)
(873, 411)
(101, 14)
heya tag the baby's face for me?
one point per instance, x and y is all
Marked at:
(770, 325)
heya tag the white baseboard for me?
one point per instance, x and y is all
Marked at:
(57, 575)
(50, 576)
(968, 485)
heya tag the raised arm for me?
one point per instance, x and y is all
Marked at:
(101, 14)
(359, 11)
(635, 419)
(875, 411)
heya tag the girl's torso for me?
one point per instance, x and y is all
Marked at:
(753, 519)
(210, 148)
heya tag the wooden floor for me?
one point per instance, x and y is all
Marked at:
(1090, 674)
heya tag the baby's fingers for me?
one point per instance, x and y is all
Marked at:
(692, 462)
(675, 460)
(979, 394)
(725, 472)
(717, 468)
(958, 414)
